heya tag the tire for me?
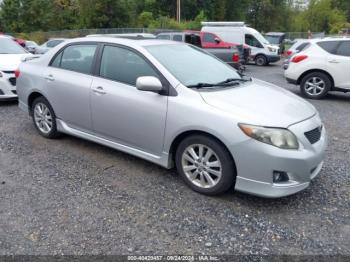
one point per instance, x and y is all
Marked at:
(260, 60)
(44, 118)
(221, 163)
(321, 85)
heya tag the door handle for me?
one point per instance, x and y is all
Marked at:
(50, 78)
(99, 90)
(334, 61)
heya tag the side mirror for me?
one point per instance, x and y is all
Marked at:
(217, 40)
(149, 83)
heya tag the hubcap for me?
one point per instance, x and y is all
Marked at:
(314, 86)
(43, 118)
(201, 166)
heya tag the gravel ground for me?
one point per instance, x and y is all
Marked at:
(70, 196)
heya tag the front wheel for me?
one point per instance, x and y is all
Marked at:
(205, 165)
(261, 60)
(315, 85)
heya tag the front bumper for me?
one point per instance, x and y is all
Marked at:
(273, 58)
(8, 86)
(256, 162)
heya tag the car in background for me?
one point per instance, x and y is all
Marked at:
(126, 35)
(298, 46)
(11, 55)
(276, 38)
(262, 52)
(51, 43)
(229, 55)
(176, 105)
(211, 40)
(321, 67)
(31, 46)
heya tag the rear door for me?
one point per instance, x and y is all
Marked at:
(69, 79)
(338, 62)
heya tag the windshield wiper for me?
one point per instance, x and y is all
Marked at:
(232, 80)
(201, 85)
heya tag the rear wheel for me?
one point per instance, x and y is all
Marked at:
(205, 165)
(260, 60)
(315, 85)
(44, 118)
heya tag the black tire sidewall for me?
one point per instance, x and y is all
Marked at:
(324, 77)
(228, 178)
(53, 133)
(261, 57)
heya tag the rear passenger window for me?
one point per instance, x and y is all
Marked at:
(344, 48)
(165, 37)
(209, 38)
(76, 58)
(123, 65)
(177, 38)
(329, 46)
(302, 47)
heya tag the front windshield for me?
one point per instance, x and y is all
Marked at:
(261, 38)
(273, 39)
(8, 46)
(190, 65)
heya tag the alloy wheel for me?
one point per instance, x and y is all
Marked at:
(314, 86)
(43, 118)
(201, 166)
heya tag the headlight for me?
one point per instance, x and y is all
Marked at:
(279, 137)
(271, 49)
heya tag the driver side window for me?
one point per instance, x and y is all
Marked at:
(252, 41)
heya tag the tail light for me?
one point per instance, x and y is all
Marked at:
(17, 73)
(289, 52)
(298, 58)
(235, 58)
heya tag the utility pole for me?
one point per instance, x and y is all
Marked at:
(178, 11)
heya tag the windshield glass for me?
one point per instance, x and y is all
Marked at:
(8, 46)
(273, 39)
(190, 65)
(261, 38)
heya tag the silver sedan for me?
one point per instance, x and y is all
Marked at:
(176, 105)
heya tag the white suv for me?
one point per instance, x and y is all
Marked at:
(321, 67)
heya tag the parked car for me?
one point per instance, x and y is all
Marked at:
(276, 38)
(11, 55)
(42, 49)
(298, 46)
(126, 35)
(174, 104)
(211, 40)
(31, 46)
(231, 55)
(321, 67)
(262, 52)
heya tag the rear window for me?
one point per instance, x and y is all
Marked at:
(302, 46)
(329, 46)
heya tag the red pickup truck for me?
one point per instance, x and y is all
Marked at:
(211, 40)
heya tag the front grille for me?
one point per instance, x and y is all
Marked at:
(9, 72)
(314, 135)
(12, 80)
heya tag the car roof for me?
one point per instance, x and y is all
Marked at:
(275, 34)
(125, 41)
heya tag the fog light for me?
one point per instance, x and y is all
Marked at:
(280, 176)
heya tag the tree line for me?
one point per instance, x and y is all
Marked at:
(265, 15)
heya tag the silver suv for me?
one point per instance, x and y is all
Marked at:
(173, 104)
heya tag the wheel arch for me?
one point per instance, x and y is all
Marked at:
(34, 95)
(316, 71)
(177, 140)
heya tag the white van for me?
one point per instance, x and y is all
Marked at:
(262, 52)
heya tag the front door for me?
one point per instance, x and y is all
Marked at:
(122, 113)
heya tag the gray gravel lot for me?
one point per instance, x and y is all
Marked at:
(70, 196)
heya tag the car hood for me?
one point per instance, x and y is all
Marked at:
(10, 62)
(260, 103)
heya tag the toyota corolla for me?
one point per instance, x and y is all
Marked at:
(176, 105)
